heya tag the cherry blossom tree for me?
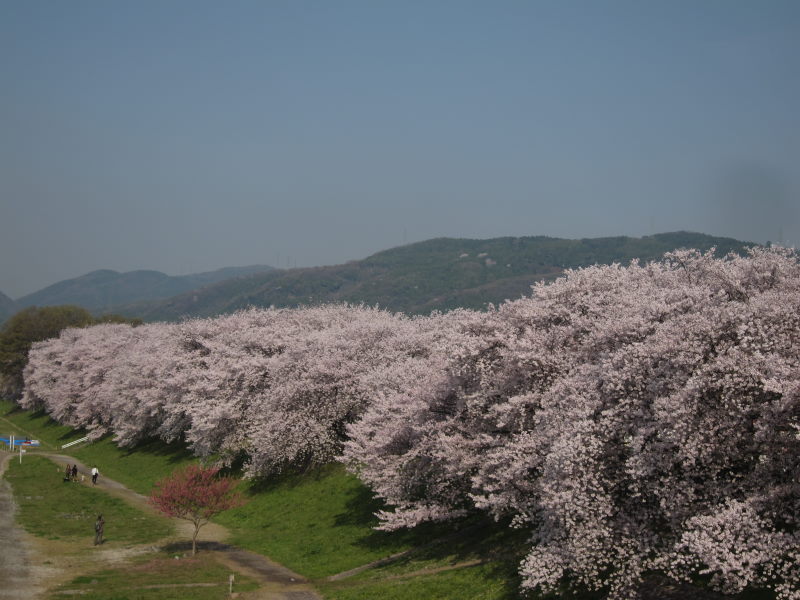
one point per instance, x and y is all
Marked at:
(631, 418)
(195, 494)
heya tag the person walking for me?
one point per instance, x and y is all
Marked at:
(74, 472)
(68, 473)
(95, 473)
(99, 526)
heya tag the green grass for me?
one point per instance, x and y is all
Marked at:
(321, 523)
(54, 509)
(131, 581)
(478, 562)
(37, 425)
(317, 524)
(475, 583)
(137, 467)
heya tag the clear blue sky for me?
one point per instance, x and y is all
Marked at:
(187, 136)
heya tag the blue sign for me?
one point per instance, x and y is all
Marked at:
(18, 442)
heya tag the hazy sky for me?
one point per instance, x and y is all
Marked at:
(187, 136)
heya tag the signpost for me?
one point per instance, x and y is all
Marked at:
(12, 441)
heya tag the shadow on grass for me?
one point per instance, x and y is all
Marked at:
(474, 538)
(290, 478)
(185, 546)
(174, 452)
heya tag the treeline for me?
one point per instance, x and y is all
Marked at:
(34, 324)
(632, 419)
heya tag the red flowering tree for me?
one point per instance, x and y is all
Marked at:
(195, 494)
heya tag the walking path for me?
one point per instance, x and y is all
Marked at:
(15, 575)
(278, 582)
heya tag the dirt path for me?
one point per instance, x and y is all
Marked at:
(278, 582)
(16, 578)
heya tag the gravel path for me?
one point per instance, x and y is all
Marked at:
(15, 574)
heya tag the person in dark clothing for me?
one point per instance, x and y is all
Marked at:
(68, 473)
(99, 526)
(74, 472)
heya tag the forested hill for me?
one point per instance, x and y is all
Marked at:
(438, 274)
(7, 307)
(100, 291)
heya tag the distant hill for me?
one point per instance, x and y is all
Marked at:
(100, 291)
(438, 274)
(7, 307)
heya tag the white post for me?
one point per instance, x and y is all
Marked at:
(230, 583)
(20, 453)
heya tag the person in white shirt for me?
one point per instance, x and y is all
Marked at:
(95, 473)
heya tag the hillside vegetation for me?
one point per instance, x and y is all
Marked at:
(438, 274)
(100, 290)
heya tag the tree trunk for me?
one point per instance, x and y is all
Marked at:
(194, 538)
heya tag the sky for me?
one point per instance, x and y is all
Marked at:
(185, 136)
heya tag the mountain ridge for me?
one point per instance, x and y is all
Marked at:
(103, 289)
(7, 307)
(436, 274)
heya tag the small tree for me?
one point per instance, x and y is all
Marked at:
(195, 494)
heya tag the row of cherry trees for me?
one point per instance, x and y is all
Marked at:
(633, 419)
(276, 387)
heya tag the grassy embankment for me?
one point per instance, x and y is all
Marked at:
(138, 468)
(63, 514)
(319, 524)
(157, 577)
(54, 509)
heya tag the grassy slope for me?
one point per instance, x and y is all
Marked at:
(318, 523)
(139, 580)
(54, 509)
(480, 582)
(321, 523)
(138, 468)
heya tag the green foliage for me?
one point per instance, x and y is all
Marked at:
(34, 324)
(52, 508)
